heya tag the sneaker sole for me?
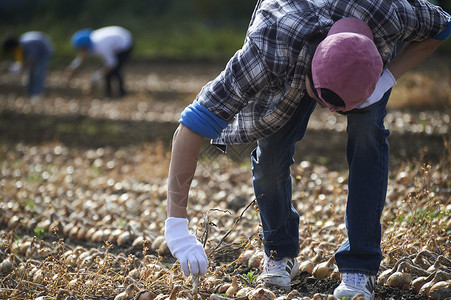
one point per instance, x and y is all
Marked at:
(276, 286)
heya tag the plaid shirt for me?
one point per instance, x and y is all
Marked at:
(264, 81)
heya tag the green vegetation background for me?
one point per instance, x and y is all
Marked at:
(163, 29)
(169, 29)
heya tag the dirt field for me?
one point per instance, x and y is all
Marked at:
(67, 151)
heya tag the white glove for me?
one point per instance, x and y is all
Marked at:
(15, 68)
(76, 63)
(386, 82)
(185, 247)
(97, 76)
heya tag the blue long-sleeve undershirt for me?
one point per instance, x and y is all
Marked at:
(203, 122)
(445, 32)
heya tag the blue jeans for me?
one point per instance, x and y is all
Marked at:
(367, 154)
(36, 76)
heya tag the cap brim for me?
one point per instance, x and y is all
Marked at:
(353, 25)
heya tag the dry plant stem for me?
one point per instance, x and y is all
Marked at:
(195, 287)
(174, 292)
(421, 256)
(236, 223)
(409, 268)
(207, 223)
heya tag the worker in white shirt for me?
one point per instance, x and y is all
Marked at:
(113, 44)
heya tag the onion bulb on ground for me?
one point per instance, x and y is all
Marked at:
(324, 269)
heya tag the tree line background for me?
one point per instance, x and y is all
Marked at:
(189, 29)
(172, 29)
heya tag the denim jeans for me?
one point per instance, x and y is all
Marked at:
(36, 76)
(367, 154)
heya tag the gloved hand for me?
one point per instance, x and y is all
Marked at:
(15, 68)
(386, 82)
(185, 247)
(97, 76)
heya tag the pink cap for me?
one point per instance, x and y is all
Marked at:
(347, 62)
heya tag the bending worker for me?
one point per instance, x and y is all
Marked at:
(113, 44)
(338, 54)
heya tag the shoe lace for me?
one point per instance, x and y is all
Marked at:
(355, 279)
(276, 265)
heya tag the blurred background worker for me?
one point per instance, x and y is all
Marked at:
(31, 51)
(113, 44)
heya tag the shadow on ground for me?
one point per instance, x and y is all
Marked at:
(319, 146)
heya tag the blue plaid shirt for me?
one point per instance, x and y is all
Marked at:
(264, 81)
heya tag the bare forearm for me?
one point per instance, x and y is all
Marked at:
(412, 55)
(185, 151)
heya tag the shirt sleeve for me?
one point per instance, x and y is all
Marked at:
(200, 120)
(244, 77)
(423, 20)
(445, 32)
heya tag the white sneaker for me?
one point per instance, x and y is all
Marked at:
(353, 284)
(278, 273)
